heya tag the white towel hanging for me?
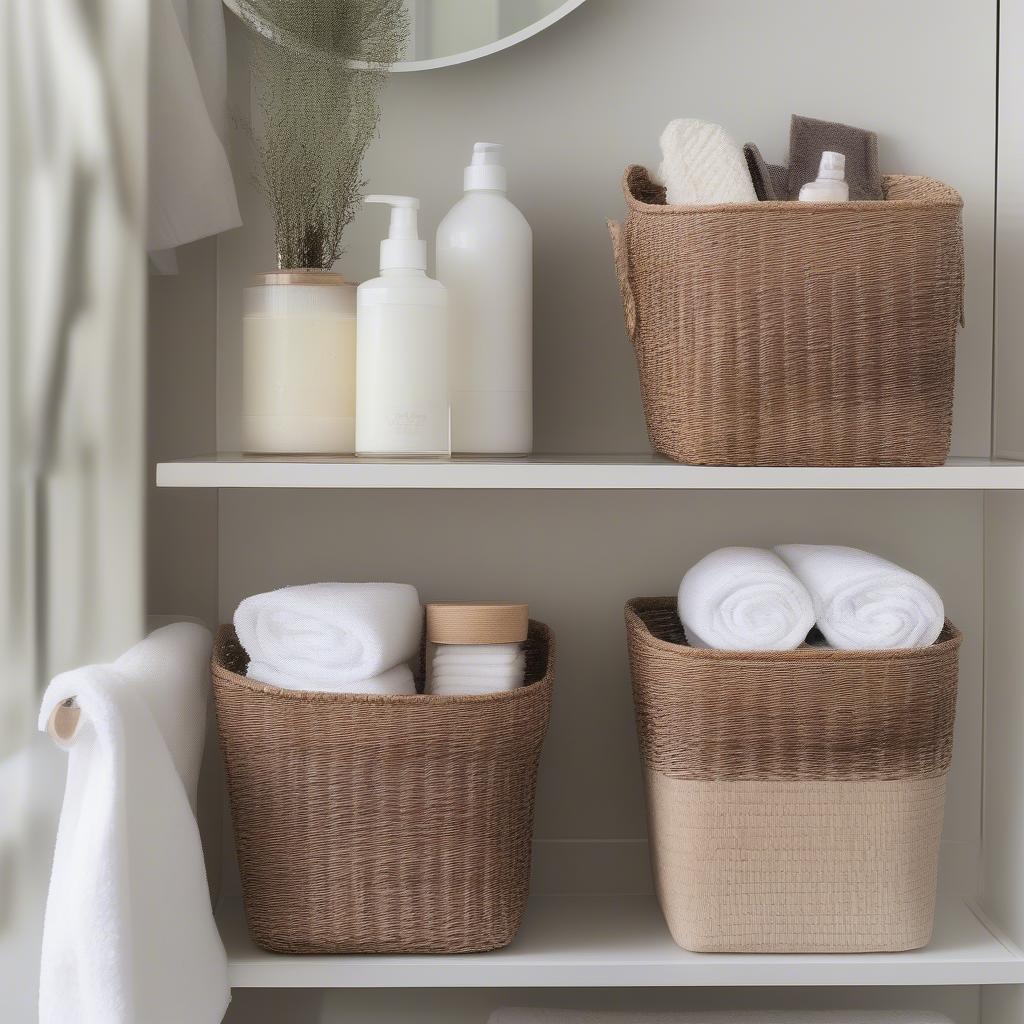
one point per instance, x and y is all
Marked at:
(129, 935)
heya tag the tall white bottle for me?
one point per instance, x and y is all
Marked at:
(485, 260)
(402, 347)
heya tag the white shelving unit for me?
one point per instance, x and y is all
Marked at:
(576, 535)
(575, 472)
(613, 941)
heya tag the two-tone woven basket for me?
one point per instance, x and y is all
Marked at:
(369, 824)
(795, 799)
(785, 333)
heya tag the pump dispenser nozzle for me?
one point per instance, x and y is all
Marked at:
(486, 171)
(832, 166)
(403, 249)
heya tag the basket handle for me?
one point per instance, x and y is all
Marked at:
(621, 254)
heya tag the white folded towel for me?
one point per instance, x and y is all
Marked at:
(863, 602)
(516, 667)
(701, 164)
(328, 635)
(461, 687)
(129, 935)
(744, 599)
(461, 669)
(395, 682)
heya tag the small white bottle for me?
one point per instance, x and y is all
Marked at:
(830, 186)
(402, 347)
(485, 260)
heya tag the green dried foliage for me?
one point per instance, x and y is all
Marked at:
(317, 113)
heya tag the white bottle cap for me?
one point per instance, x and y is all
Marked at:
(403, 249)
(833, 166)
(486, 170)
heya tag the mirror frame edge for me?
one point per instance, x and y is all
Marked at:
(431, 64)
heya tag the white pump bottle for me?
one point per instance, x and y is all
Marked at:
(830, 186)
(485, 260)
(402, 347)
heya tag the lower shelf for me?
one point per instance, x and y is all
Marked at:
(615, 941)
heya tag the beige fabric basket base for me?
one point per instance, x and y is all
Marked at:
(796, 866)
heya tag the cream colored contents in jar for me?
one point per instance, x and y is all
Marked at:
(461, 669)
(299, 364)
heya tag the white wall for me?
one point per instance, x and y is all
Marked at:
(576, 557)
(580, 101)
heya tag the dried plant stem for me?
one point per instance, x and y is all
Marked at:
(316, 114)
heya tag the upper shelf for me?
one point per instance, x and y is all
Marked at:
(574, 472)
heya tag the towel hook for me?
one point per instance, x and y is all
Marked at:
(63, 721)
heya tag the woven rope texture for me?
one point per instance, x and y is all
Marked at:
(382, 824)
(795, 799)
(782, 333)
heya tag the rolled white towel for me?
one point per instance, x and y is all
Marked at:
(744, 599)
(863, 602)
(701, 164)
(328, 635)
(394, 682)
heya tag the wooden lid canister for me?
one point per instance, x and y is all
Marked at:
(453, 623)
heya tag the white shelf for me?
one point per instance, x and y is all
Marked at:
(622, 941)
(575, 472)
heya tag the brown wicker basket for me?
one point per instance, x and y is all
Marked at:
(795, 799)
(370, 824)
(784, 333)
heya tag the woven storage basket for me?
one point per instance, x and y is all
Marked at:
(784, 333)
(370, 824)
(794, 799)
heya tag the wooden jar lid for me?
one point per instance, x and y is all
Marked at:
(453, 623)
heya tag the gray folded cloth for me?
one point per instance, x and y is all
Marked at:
(771, 181)
(809, 138)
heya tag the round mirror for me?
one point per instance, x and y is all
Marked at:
(443, 32)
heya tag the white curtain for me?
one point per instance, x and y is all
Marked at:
(72, 430)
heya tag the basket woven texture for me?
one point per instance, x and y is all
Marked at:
(783, 333)
(795, 799)
(370, 824)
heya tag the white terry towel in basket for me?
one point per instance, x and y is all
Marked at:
(863, 602)
(326, 636)
(744, 599)
(129, 934)
(702, 165)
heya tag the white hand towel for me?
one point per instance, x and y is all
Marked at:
(863, 602)
(744, 599)
(191, 190)
(701, 165)
(129, 935)
(395, 682)
(330, 634)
